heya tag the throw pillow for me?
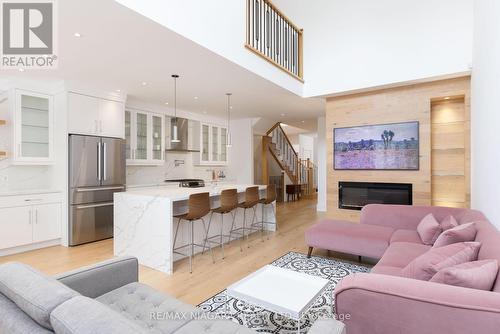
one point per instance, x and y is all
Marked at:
(428, 264)
(475, 275)
(429, 229)
(460, 233)
(448, 222)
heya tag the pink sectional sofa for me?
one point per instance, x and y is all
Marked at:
(383, 301)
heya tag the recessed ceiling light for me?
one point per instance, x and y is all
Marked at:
(447, 98)
(196, 97)
(303, 121)
(77, 34)
(166, 103)
(21, 70)
(144, 83)
(282, 115)
(231, 107)
(118, 90)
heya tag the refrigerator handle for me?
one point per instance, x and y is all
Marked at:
(105, 159)
(99, 163)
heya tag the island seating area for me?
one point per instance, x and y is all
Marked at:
(145, 225)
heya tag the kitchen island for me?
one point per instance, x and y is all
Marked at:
(144, 224)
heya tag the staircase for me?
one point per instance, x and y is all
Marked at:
(299, 171)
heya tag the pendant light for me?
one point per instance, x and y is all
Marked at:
(228, 134)
(175, 138)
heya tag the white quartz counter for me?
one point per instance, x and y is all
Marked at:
(144, 224)
(176, 193)
(20, 192)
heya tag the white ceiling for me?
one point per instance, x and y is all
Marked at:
(120, 49)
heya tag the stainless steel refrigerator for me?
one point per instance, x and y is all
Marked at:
(96, 171)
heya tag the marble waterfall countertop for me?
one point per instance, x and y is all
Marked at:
(144, 224)
(176, 193)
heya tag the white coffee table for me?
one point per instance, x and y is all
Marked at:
(280, 290)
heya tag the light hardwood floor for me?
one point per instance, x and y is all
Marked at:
(207, 278)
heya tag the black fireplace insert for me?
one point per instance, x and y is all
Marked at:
(355, 195)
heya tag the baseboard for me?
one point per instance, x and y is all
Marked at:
(30, 247)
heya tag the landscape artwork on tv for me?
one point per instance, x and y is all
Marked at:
(383, 146)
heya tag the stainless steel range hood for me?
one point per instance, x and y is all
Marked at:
(188, 132)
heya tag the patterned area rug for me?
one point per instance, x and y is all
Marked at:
(265, 321)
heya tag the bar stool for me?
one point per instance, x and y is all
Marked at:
(198, 207)
(228, 204)
(251, 201)
(270, 198)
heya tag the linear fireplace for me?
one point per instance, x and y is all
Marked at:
(355, 195)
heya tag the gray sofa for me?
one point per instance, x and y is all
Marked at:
(103, 298)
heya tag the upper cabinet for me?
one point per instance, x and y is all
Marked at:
(213, 145)
(33, 128)
(95, 116)
(144, 134)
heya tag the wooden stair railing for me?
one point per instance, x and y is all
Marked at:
(300, 171)
(277, 143)
(272, 36)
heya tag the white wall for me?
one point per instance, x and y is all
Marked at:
(356, 44)
(218, 26)
(485, 115)
(241, 160)
(306, 147)
(321, 152)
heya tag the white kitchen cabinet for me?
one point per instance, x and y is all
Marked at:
(213, 145)
(46, 222)
(111, 118)
(33, 128)
(89, 115)
(29, 219)
(144, 135)
(15, 226)
(83, 114)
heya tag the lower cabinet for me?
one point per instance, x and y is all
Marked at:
(15, 226)
(46, 222)
(29, 223)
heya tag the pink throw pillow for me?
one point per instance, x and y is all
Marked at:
(429, 229)
(428, 264)
(448, 222)
(475, 275)
(460, 233)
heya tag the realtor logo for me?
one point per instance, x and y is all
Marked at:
(28, 34)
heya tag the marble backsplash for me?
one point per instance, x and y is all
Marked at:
(15, 177)
(177, 166)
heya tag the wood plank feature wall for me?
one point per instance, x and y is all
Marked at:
(450, 155)
(393, 105)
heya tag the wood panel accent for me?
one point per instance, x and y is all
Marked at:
(393, 105)
(450, 152)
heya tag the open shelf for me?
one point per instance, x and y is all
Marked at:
(3, 154)
(3, 122)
